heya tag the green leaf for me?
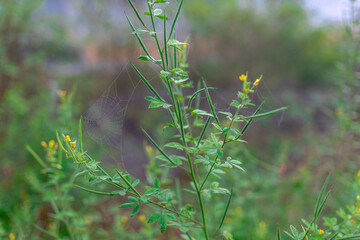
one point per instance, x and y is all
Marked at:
(211, 104)
(140, 31)
(138, 37)
(195, 94)
(145, 58)
(135, 211)
(199, 112)
(80, 136)
(158, 148)
(266, 113)
(176, 18)
(37, 158)
(154, 217)
(157, 11)
(95, 192)
(162, 223)
(160, 1)
(133, 199)
(156, 183)
(156, 102)
(128, 205)
(174, 145)
(137, 13)
(147, 83)
(175, 43)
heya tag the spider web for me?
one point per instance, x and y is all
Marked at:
(103, 122)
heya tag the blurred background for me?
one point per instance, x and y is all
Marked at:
(58, 56)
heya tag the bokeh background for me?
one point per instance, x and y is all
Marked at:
(307, 52)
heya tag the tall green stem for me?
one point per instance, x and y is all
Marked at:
(198, 191)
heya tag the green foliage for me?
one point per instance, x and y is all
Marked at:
(205, 152)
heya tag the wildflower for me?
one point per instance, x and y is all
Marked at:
(338, 112)
(43, 143)
(242, 77)
(142, 218)
(67, 138)
(11, 236)
(73, 144)
(148, 149)
(61, 93)
(51, 226)
(228, 220)
(321, 231)
(262, 224)
(124, 219)
(257, 81)
(51, 143)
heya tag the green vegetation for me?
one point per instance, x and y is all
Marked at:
(250, 169)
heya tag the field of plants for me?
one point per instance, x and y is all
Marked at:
(177, 119)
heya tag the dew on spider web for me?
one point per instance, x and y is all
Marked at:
(106, 122)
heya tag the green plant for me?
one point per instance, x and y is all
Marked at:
(200, 137)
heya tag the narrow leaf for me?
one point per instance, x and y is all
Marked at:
(176, 18)
(80, 136)
(211, 104)
(158, 148)
(137, 13)
(37, 158)
(196, 93)
(266, 113)
(147, 83)
(226, 210)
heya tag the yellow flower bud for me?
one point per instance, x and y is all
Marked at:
(242, 77)
(61, 93)
(12, 236)
(124, 219)
(43, 143)
(148, 149)
(142, 218)
(51, 143)
(262, 224)
(256, 83)
(73, 144)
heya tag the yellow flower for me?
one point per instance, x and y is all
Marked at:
(321, 231)
(148, 149)
(73, 144)
(338, 112)
(245, 90)
(124, 219)
(262, 224)
(67, 138)
(43, 143)
(257, 81)
(61, 93)
(12, 236)
(142, 218)
(51, 143)
(242, 77)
